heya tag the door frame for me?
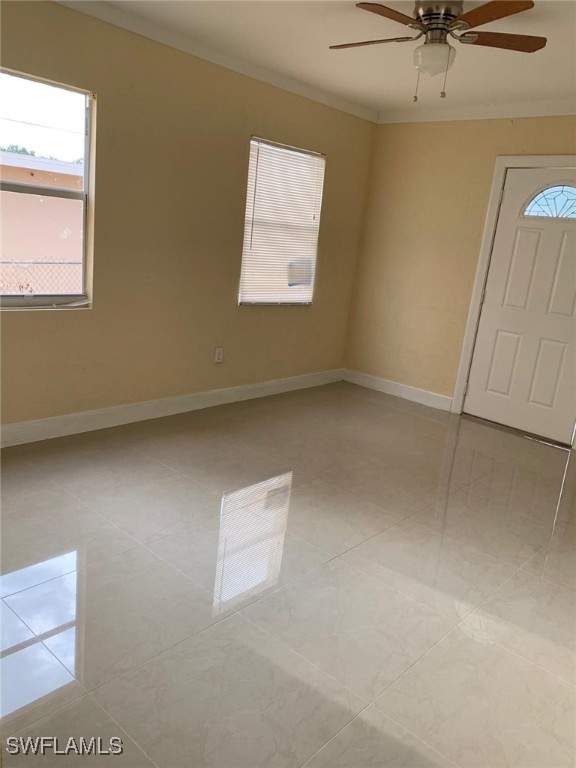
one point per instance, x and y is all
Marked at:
(502, 165)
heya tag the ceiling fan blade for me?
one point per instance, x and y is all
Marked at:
(497, 9)
(525, 43)
(388, 13)
(372, 42)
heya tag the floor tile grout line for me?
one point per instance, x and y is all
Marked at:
(145, 545)
(100, 562)
(546, 579)
(401, 675)
(284, 644)
(33, 586)
(394, 589)
(239, 611)
(170, 648)
(439, 533)
(132, 739)
(533, 663)
(314, 664)
(94, 511)
(31, 723)
(150, 458)
(488, 596)
(459, 626)
(409, 515)
(456, 541)
(122, 444)
(138, 544)
(307, 761)
(36, 638)
(462, 543)
(423, 741)
(315, 478)
(407, 730)
(520, 569)
(397, 591)
(254, 446)
(370, 703)
(179, 472)
(91, 691)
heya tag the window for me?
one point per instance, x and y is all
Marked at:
(557, 202)
(44, 159)
(283, 204)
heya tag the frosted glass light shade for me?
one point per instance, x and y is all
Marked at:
(434, 58)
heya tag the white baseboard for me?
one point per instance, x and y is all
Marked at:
(87, 421)
(432, 399)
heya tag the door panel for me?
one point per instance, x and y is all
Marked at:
(547, 372)
(523, 371)
(503, 362)
(521, 272)
(563, 296)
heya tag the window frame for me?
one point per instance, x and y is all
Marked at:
(299, 150)
(86, 195)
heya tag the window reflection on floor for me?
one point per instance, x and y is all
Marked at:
(252, 529)
(38, 620)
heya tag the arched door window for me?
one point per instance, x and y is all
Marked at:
(558, 202)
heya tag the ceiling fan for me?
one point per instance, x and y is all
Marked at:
(438, 20)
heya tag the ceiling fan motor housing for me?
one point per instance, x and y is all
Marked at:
(445, 12)
(435, 18)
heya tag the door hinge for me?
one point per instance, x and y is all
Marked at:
(483, 296)
(465, 389)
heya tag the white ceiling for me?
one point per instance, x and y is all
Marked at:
(285, 42)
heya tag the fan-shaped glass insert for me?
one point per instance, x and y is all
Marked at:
(553, 203)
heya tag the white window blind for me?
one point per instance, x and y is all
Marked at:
(283, 203)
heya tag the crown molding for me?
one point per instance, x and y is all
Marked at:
(120, 18)
(480, 112)
(420, 113)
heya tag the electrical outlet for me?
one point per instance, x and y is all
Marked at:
(219, 355)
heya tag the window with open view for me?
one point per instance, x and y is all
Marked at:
(44, 182)
(283, 203)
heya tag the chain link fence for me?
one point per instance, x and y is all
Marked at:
(23, 278)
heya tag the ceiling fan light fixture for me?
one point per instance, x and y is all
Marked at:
(434, 58)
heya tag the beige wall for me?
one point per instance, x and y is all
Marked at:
(171, 171)
(172, 157)
(429, 191)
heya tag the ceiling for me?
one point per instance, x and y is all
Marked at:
(285, 42)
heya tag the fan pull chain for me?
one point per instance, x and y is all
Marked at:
(417, 84)
(443, 91)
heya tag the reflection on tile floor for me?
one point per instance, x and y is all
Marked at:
(332, 577)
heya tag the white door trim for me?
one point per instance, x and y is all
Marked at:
(503, 163)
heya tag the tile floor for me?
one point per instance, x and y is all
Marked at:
(330, 578)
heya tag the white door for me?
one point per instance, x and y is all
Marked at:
(523, 371)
